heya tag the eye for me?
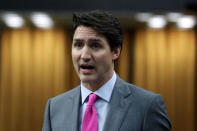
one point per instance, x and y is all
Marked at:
(78, 44)
(96, 46)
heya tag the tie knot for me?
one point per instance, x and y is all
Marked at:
(92, 99)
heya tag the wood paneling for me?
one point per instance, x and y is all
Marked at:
(165, 63)
(36, 65)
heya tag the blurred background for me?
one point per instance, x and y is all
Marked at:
(159, 54)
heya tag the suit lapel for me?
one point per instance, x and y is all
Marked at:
(76, 100)
(118, 106)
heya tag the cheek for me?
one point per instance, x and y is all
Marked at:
(75, 56)
(104, 60)
(74, 61)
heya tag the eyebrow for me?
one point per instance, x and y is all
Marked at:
(90, 40)
(95, 40)
(77, 39)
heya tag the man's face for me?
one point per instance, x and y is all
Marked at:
(92, 57)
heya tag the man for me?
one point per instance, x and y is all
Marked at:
(103, 101)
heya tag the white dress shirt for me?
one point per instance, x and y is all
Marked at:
(101, 105)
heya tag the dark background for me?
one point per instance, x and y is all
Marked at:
(111, 5)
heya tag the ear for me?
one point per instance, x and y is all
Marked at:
(116, 53)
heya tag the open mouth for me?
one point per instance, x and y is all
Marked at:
(87, 67)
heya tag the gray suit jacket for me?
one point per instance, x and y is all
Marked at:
(131, 109)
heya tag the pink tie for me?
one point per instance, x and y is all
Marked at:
(90, 116)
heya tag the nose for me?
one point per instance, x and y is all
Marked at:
(85, 54)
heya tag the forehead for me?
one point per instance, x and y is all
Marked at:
(83, 32)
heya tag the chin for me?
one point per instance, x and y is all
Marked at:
(87, 79)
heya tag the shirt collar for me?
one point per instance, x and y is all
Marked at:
(104, 92)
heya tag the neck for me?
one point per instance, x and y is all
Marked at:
(93, 86)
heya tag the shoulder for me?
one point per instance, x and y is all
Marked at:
(66, 95)
(137, 94)
(143, 93)
(146, 98)
(143, 100)
(134, 90)
(146, 106)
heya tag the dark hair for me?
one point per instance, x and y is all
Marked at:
(103, 22)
